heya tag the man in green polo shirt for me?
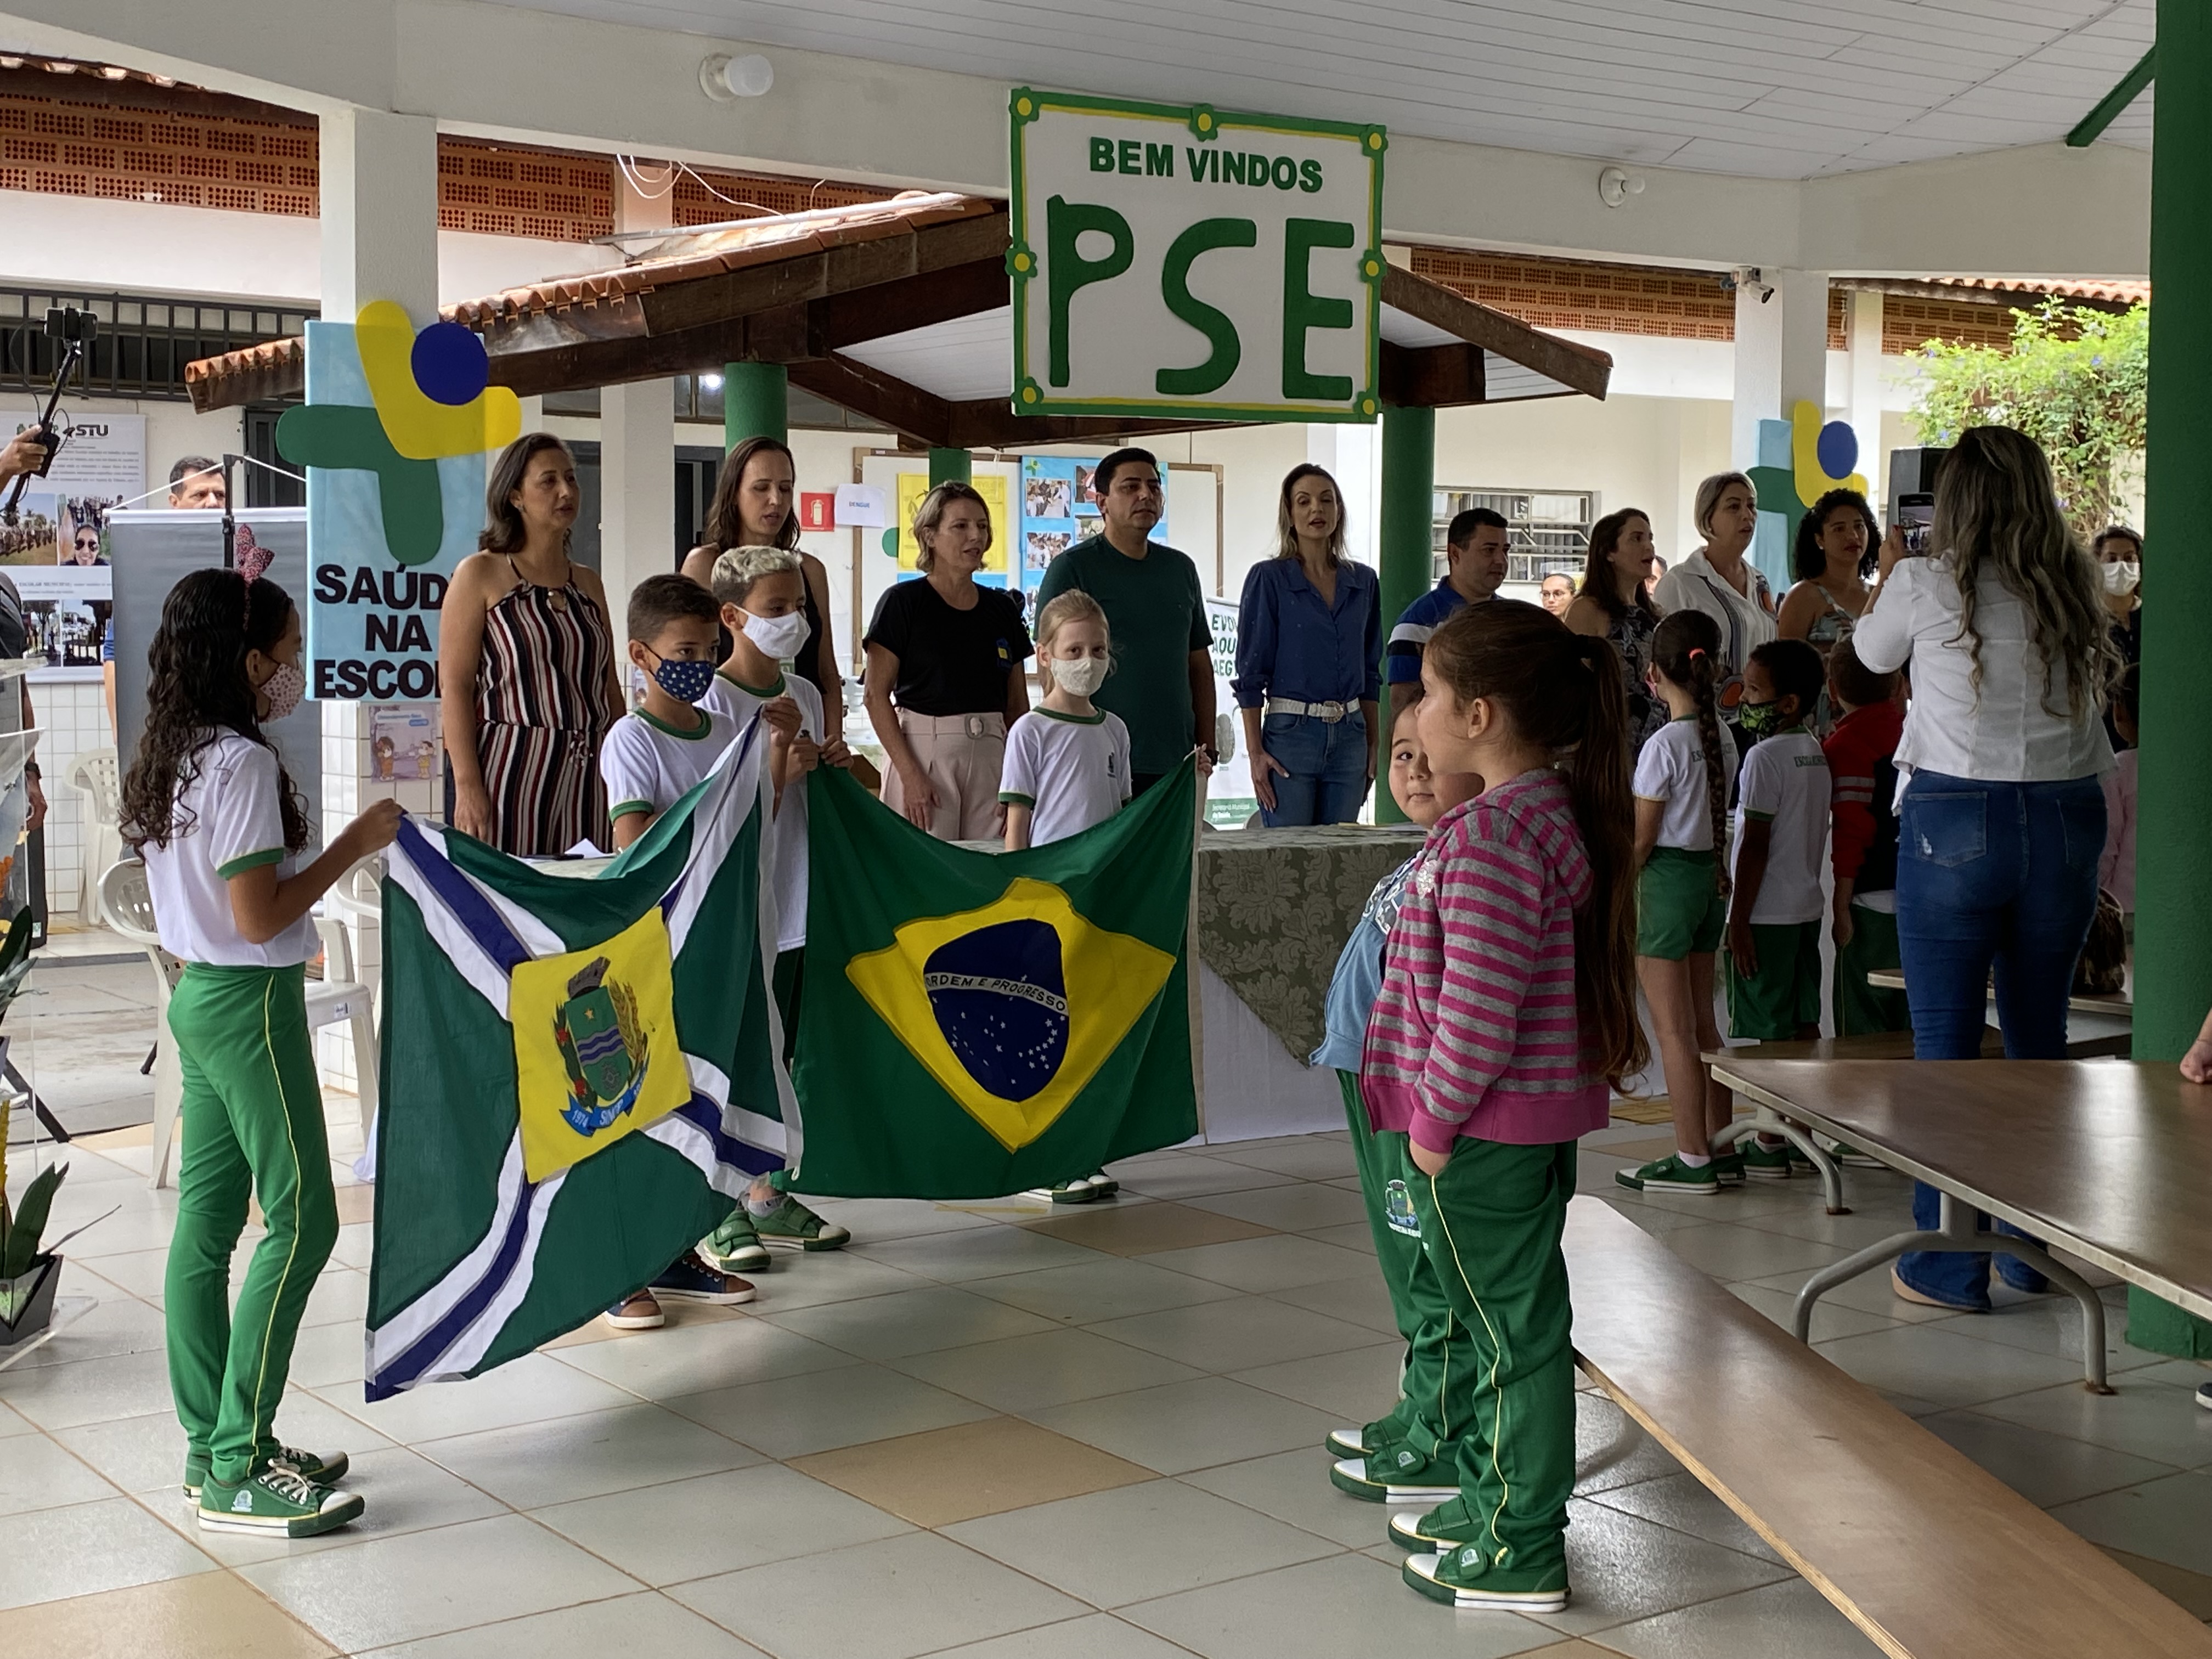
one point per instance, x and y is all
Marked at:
(1162, 685)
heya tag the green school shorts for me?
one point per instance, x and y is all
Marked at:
(1785, 993)
(1680, 911)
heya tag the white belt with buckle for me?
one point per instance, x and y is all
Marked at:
(1329, 713)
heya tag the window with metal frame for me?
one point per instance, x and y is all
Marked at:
(1546, 529)
(144, 343)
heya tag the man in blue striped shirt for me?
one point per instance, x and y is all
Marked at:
(1474, 567)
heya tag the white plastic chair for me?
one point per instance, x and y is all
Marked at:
(94, 775)
(128, 908)
(358, 897)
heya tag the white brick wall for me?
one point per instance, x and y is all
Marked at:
(74, 717)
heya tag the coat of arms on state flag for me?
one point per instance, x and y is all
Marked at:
(580, 1075)
(976, 1024)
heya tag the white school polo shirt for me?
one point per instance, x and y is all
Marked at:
(649, 766)
(1671, 768)
(1070, 770)
(230, 822)
(787, 836)
(1785, 781)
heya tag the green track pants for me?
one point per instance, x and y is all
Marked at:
(1491, 1225)
(1417, 1303)
(253, 1126)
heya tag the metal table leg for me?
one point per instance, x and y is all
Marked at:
(1766, 1119)
(1957, 1229)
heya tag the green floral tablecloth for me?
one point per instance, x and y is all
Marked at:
(1275, 906)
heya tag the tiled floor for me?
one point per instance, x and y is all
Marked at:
(993, 1432)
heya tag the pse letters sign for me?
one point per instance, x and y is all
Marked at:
(1182, 262)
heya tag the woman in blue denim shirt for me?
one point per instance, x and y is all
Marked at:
(1309, 642)
(2004, 629)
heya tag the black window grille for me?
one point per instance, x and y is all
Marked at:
(144, 343)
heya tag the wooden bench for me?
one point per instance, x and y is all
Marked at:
(1923, 1550)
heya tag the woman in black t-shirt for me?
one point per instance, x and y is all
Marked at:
(950, 654)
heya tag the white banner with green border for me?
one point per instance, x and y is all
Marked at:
(1181, 262)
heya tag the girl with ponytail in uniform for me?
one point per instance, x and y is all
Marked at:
(1682, 780)
(209, 807)
(1508, 1014)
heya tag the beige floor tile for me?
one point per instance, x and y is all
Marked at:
(1189, 1426)
(1869, 1293)
(1307, 1159)
(875, 1218)
(325, 1356)
(1101, 1636)
(340, 1298)
(2189, 1590)
(1110, 1287)
(2043, 1468)
(1296, 1209)
(1729, 1252)
(2164, 1520)
(87, 1390)
(1359, 1385)
(1235, 1336)
(1195, 1175)
(901, 1596)
(117, 1324)
(1348, 1604)
(2157, 1420)
(689, 1359)
(972, 1469)
(909, 1321)
(791, 1416)
(146, 1453)
(12, 1423)
(1933, 1364)
(535, 1464)
(39, 1473)
(1140, 1230)
(212, 1615)
(798, 1280)
(356, 1246)
(1831, 1318)
(976, 1253)
(1687, 1504)
(718, 1524)
(1786, 1617)
(1356, 1236)
(1359, 1301)
(47, 1555)
(1612, 1450)
(1051, 1368)
(1139, 1541)
(1294, 1486)
(401, 1493)
(532, 1389)
(425, 1584)
(1279, 1262)
(1624, 1568)
(649, 1625)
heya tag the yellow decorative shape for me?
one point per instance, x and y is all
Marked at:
(1110, 980)
(421, 427)
(638, 963)
(1813, 481)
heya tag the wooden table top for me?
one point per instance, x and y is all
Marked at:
(2109, 1159)
(1929, 1554)
(2116, 1005)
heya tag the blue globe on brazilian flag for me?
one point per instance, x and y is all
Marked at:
(975, 1023)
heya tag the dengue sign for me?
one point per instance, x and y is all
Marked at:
(1184, 263)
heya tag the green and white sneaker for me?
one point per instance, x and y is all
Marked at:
(1800, 1161)
(735, 1246)
(1728, 1169)
(1670, 1174)
(324, 1468)
(275, 1502)
(1077, 1191)
(1442, 1529)
(1764, 1163)
(1852, 1158)
(1357, 1443)
(1396, 1475)
(1464, 1578)
(794, 1227)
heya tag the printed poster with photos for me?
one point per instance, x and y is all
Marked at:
(57, 551)
(1059, 510)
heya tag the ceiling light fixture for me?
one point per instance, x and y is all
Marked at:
(723, 78)
(1616, 186)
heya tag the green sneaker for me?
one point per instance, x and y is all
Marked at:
(1728, 1169)
(1396, 1475)
(1464, 1578)
(325, 1469)
(275, 1502)
(1852, 1158)
(1764, 1163)
(1357, 1443)
(1800, 1161)
(1670, 1174)
(1442, 1529)
(735, 1246)
(795, 1227)
(1078, 1191)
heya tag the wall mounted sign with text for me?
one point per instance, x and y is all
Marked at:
(1184, 263)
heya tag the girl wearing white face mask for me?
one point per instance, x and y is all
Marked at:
(1067, 763)
(945, 677)
(208, 805)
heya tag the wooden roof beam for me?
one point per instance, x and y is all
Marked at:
(1433, 377)
(1582, 369)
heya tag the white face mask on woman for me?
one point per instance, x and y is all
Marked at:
(779, 637)
(2121, 576)
(1079, 675)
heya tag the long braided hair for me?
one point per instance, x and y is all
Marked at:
(1686, 649)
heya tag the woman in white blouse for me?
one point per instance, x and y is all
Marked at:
(2002, 825)
(1720, 580)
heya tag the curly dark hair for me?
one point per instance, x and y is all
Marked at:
(1807, 563)
(195, 688)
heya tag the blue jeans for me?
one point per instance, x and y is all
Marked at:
(1990, 875)
(1328, 768)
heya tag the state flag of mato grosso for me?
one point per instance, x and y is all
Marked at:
(975, 1023)
(579, 1076)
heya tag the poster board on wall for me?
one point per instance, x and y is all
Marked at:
(58, 553)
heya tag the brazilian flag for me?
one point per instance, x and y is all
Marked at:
(973, 1024)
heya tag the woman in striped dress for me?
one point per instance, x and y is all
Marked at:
(527, 665)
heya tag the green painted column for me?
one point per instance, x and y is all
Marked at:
(1408, 515)
(756, 403)
(950, 466)
(2173, 824)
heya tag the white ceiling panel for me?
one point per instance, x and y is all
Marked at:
(1775, 89)
(962, 360)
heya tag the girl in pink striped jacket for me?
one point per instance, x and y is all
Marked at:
(1508, 1010)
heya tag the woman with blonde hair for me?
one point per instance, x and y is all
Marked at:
(945, 677)
(1309, 650)
(1720, 580)
(2002, 824)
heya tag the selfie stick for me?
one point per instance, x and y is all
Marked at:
(229, 515)
(72, 349)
